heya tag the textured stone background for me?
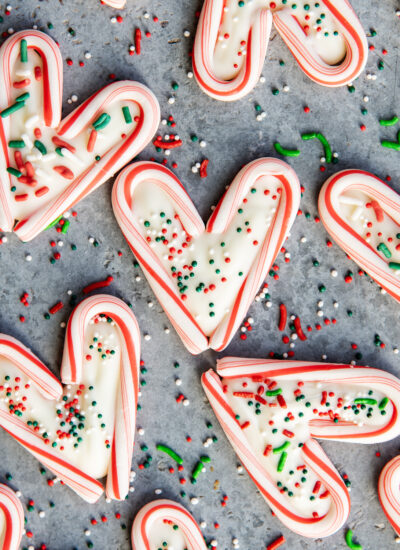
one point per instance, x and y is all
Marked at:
(233, 137)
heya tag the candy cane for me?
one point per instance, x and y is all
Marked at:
(203, 53)
(350, 197)
(274, 374)
(126, 404)
(77, 166)
(389, 492)
(302, 35)
(12, 522)
(136, 175)
(150, 519)
(305, 51)
(72, 371)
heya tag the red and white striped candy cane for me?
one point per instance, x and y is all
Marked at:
(147, 523)
(126, 402)
(312, 454)
(166, 291)
(306, 55)
(294, 32)
(384, 202)
(389, 492)
(87, 174)
(11, 519)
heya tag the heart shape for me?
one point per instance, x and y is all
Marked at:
(271, 411)
(389, 493)
(206, 277)
(11, 519)
(46, 166)
(362, 214)
(166, 521)
(231, 42)
(84, 431)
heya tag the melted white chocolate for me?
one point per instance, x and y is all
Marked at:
(359, 212)
(275, 425)
(211, 268)
(91, 418)
(22, 126)
(231, 47)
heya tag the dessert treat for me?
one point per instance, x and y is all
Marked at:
(206, 277)
(47, 165)
(166, 524)
(271, 411)
(325, 37)
(362, 214)
(11, 519)
(389, 492)
(83, 431)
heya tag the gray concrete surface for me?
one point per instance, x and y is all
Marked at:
(233, 138)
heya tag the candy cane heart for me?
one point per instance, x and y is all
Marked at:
(271, 411)
(47, 166)
(11, 519)
(327, 41)
(362, 214)
(84, 431)
(333, 57)
(125, 382)
(206, 278)
(389, 492)
(166, 521)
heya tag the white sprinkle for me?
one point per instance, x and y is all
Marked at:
(303, 239)
(88, 55)
(87, 532)
(147, 337)
(42, 514)
(194, 500)
(171, 100)
(178, 382)
(334, 273)
(28, 257)
(185, 402)
(190, 74)
(186, 33)
(158, 491)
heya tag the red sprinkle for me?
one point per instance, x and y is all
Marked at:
(56, 307)
(98, 284)
(277, 543)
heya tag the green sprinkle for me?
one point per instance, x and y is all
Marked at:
(102, 121)
(390, 144)
(127, 114)
(384, 249)
(286, 152)
(394, 265)
(12, 108)
(282, 448)
(16, 143)
(383, 403)
(349, 541)
(52, 224)
(273, 392)
(196, 471)
(65, 227)
(14, 172)
(40, 146)
(282, 461)
(24, 50)
(365, 401)
(22, 97)
(170, 452)
(324, 143)
(389, 122)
